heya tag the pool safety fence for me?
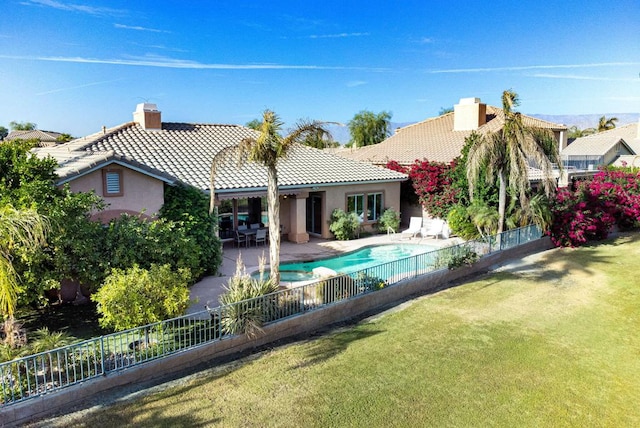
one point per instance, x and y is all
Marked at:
(45, 372)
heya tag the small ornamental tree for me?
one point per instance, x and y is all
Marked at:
(135, 297)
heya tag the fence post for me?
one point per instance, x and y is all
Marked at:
(102, 355)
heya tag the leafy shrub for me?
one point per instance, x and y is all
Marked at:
(592, 208)
(366, 283)
(131, 241)
(189, 207)
(344, 226)
(390, 219)
(136, 296)
(455, 257)
(460, 223)
(432, 183)
(335, 288)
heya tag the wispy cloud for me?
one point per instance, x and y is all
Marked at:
(532, 67)
(162, 62)
(160, 47)
(338, 35)
(355, 83)
(72, 7)
(137, 28)
(53, 91)
(579, 77)
(426, 40)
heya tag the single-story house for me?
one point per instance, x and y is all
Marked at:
(441, 139)
(129, 165)
(612, 147)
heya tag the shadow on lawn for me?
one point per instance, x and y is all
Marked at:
(322, 349)
(557, 264)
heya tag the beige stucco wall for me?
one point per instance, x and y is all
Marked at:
(336, 197)
(139, 193)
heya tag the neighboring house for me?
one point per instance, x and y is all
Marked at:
(586, 154)
(130, 164)
(441, 139)
(45, 138)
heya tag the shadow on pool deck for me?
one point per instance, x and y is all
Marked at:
(209, 288)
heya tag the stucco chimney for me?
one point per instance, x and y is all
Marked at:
(148, 116)
(469, 114)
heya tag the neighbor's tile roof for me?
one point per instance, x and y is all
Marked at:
(185, 152)
(46, 138)
(600, 143)
(433, 139)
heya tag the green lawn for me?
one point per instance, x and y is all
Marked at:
(556, 344)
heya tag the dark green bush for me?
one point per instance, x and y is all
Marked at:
(189, 207)
(390, 219)
(345, 226)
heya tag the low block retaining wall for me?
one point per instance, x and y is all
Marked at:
(305, 323)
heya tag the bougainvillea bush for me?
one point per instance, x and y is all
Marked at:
(431, 182)
(590, 209)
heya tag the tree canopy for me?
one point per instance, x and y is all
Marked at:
(506, 154)
(22, 126)
(367, 128)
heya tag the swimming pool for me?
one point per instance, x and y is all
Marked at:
(351, 262)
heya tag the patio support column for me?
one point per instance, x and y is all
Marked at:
(298, 218)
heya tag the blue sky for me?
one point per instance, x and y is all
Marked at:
(73, 66)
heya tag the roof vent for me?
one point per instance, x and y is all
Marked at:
(469, 114)
(148, 116)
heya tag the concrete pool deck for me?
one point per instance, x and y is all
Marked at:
(209, 288)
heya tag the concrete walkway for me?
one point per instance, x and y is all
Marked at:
(207, 291)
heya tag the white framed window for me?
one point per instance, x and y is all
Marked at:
(368, 206)
(374, 206)
(355, 204)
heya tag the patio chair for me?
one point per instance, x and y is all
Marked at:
(254, 226)
(415, 224)
(242, 227)
(435, 228)
(240, 239)
(261, 236)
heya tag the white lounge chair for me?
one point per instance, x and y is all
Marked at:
(435, 228)
(415, 224)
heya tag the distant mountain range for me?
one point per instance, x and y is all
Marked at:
(341, 134)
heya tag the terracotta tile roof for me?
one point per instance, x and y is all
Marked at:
(433, 139)
(46, 138)
(600, 143)
(184, 153)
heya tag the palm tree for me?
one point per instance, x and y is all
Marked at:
(267, 149)
(507, 154)
(605, 124)
(17, 227)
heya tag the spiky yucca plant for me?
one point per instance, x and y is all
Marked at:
(244, 308)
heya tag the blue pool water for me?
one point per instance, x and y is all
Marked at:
(352, 262)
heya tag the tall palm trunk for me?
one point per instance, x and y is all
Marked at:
(502, 200)
(274, 222)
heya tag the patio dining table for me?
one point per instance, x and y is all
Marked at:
(251, 233)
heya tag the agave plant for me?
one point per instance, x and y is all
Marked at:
(244, 308)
